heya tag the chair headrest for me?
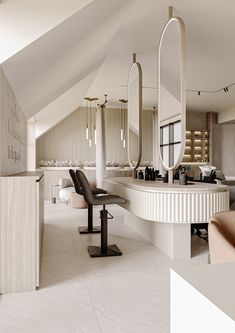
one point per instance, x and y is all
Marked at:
(86, 189)
(77, 185)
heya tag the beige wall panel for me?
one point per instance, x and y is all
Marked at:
(67, 141)
(228, 149)
(13, 129)
(196, 121)
(216, 146)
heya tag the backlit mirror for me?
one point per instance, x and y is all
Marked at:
(134, 146)
(172, 94)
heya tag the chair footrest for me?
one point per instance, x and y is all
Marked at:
(112, 250)
(85, 230)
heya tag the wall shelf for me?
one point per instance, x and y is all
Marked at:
(196, 147)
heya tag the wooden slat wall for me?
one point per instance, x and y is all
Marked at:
(66, 141)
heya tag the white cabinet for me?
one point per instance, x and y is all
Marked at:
(21, 231)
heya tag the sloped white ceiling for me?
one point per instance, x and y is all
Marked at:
(57, 61)
(23, 21)
(60, 108)
(104, 34)
(210, 52)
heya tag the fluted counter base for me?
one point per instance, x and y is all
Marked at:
(163, 213)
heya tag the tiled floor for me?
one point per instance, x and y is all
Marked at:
(128, 294)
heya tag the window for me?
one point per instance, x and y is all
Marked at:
(170, 142)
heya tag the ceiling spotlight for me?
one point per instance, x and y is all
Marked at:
(199, 93)
(226, 89)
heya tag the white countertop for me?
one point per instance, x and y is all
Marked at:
(215, 282)
(159, 186)
(32, 174)
(85, 168)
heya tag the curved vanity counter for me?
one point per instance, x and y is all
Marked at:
(172, 206)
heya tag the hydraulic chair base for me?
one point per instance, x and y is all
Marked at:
(85, 230)
(89, 229)
(104, 250)
(112, 250)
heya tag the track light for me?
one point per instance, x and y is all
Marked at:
(199, 93)
(226, 89)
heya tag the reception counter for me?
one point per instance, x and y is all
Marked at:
(21, 231)
(163, 212)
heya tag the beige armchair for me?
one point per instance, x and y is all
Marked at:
(221, 234)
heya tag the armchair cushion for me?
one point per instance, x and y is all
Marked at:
(221, 231)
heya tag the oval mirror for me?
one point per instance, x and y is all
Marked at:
(172, 94)
(134, 110)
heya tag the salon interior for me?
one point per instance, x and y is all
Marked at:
(117, 166)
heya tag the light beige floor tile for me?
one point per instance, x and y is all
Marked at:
(127, 294)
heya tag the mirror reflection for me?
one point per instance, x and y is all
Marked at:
(134, 115)
(171, 94)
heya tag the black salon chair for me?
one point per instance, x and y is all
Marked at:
(104, 250)
(78, 188)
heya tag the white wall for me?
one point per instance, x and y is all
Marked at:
(66, 141)
(22, 22)
(192, 312)
(224, 148)
(196, 121)
(227, 149)
(226, 116)
(13, 131)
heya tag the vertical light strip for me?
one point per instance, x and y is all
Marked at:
(87, 131)
(95, 99)
(94, 126)
(95, 134)
(124, 123)
(124, 132)
(90, 121)
(121, 124)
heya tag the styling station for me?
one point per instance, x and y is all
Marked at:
(163, 213)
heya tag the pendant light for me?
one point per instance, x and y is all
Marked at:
(95, 99)
(120, 100)
(87, 129)
(90, 132)
(90, 125)
(123, 121)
